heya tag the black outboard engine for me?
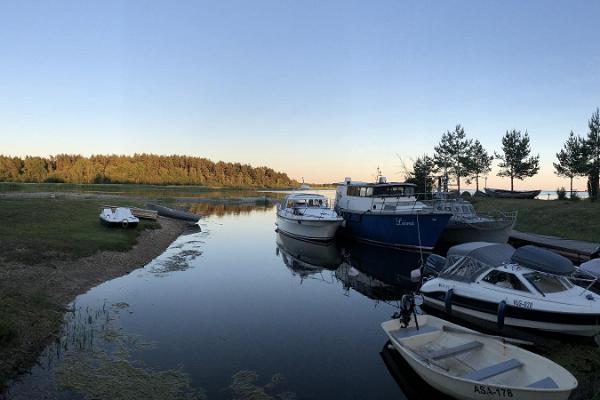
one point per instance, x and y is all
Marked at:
(434, 264)
(407, 311)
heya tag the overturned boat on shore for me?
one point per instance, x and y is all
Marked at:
(529, 288)
(512, 194)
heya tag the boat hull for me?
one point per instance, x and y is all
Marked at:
(459, 232)
(571, 324)
(464, 388)
(411, 230)
(321, 230)
(512, 194)
(118, 224)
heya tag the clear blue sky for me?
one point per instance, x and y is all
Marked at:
(320, 89)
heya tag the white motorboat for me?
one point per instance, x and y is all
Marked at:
(308, 216)
(529, 287)
(118, 216)
(466, 364)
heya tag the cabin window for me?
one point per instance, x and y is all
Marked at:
(360, 191)
(505, 280)
(547, 283)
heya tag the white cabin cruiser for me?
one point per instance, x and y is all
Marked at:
(529, 287)
(307, 216)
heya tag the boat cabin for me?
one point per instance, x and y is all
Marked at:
(306, 201)
(378, 196)
(528, 269)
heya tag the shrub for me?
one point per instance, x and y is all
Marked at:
(561, 193)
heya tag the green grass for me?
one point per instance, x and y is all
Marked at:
(568, 219)
(36, 230)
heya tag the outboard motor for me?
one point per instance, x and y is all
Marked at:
(407, 311)
(434, 264)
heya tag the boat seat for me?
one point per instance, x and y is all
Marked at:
(453, 351)
(412, 331)
(546, 383)
(493, 370)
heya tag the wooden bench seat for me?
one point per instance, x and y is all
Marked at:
(453, 351)
(493, 370)
(546, 383)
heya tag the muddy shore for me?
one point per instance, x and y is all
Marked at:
(41, 293)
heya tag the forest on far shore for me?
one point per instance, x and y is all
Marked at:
(139, 169)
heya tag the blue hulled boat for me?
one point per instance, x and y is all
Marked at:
(388, 214)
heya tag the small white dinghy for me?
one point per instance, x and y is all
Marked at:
(466, 364)
(118, 216)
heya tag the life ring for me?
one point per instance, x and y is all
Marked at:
(125, 223)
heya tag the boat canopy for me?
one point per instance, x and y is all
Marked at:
(492, 254)
(467, 261)
(543, 260)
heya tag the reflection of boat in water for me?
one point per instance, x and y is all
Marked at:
(305, 257)
(380, 273)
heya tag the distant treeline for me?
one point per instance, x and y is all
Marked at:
(139, 169)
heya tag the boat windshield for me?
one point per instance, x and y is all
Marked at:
(307, 203)
(545, 283)
(465, 269)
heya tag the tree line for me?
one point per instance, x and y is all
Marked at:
(139, 169)
(457, 156)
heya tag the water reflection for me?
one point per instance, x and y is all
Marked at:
(305, 258)
(412, 385)
(221, 209)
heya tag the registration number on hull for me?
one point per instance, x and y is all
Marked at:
(489, 391)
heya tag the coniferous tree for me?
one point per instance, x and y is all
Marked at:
(421, 175)
(480, 163)
(452, 154)
(592, 145)
(516, 160)
(572, 159)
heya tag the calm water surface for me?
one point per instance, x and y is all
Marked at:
(234, 311)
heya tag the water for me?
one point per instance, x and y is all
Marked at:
(233, 312)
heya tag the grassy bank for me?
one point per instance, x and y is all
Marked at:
(569, 219)
(42, 242)
(43, 230)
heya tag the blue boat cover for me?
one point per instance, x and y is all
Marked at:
(543, 260)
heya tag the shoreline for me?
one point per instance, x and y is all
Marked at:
(52, 286)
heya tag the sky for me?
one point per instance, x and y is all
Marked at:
(317, 89)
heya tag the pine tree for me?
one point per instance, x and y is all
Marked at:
(572, 159)
(480, 162)
(592, 145)
(516, 162)
(452, 154)
(421, 175)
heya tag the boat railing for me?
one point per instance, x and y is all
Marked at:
(393, 202)
(300, 210)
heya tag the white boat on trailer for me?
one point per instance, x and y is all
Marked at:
(466, 364)
(308, 216)
(528, 287)
(118, 217)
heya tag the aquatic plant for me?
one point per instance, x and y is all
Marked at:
(244, 387)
